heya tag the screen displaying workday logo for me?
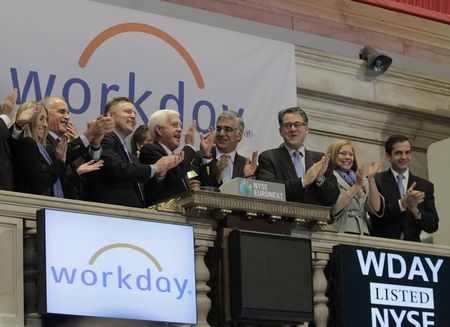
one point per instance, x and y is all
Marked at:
(148, 281)
(83, 93)
(119, 268)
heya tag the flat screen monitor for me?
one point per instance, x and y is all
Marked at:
(116, 267)
(270, 278)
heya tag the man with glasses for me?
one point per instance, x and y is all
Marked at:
(305, 173)
(221, 162)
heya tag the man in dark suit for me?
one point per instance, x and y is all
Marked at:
(80, 149)
(306, 174)
(409, 207)
(218, 161)
(7, 112)
(166, 131)
(121, 178)
(6, 166)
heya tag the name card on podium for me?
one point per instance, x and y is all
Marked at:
(255, 189)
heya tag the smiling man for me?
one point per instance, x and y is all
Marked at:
(305, 173)
(122, 179)
(409, 199)
(80, 149)
(166, 131)
(220, 163)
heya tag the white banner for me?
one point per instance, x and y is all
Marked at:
(90, 52)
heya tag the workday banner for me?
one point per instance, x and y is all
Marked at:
(90, 52)
(384, 288)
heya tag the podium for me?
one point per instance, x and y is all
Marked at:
(284, 293)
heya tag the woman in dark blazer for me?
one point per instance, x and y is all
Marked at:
(34, 170)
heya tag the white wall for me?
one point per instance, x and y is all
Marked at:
(438, 166)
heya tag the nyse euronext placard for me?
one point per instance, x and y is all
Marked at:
(116, 267)
(381, 288)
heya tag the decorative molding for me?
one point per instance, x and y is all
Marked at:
(219, 205)
(342, 105)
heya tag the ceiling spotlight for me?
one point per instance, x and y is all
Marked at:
(377, 62)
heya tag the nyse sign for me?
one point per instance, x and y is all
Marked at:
(381, 288)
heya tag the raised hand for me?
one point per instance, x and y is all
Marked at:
(189, 136)
(89, 166)
(222, 163)
(207, 142)
(97, 128)
(374, 167)
(8, 104)
(325, 160)
(361, 172)
(412, 198)
(313, 172)
(72, 132)
(251, 165)
(167, 162)
(25, 116)
(61, 148)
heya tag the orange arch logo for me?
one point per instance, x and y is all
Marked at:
(112, 31)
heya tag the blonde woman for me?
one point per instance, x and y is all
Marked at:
(358, 190)
(34, 170)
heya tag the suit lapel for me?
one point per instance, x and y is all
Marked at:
(238, 165)
(120, 145)
(391, 183)
(286, 162)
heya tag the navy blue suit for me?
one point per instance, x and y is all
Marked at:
(6, 167)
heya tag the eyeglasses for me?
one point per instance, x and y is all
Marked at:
(225, 129)
(296, 124)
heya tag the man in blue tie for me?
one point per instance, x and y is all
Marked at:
(122, 177)
(409, 206)
(305, 173)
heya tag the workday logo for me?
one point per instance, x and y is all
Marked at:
(149, 278)
(83, 92)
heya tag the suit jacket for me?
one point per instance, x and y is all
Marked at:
(175, 182)
(394, 222)
(208, 173)
(72, 183)
(276, 165)
(32, 173)
(117, 181)
(6, 167)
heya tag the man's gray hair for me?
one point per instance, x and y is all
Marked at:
(238, 121)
